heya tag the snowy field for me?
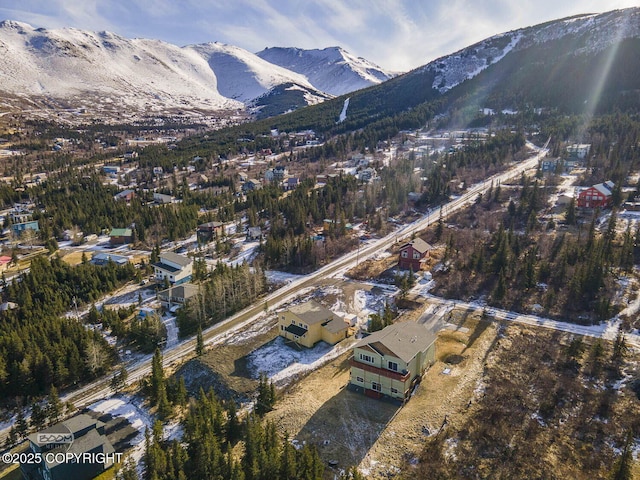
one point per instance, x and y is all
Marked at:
(134, 413)
(282, 363)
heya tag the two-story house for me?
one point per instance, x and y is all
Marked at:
(412, 254)
(308, 323)
(208, 231)
(390, 361)
(175, 268)
(77, 435)
(174, 297)
(597, 196)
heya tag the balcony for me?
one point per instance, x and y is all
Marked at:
(400, 377)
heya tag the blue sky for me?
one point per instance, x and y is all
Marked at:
(395, 34)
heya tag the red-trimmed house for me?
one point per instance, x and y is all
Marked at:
(413, 255)
(597, 196)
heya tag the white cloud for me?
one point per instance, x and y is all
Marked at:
(396, 34)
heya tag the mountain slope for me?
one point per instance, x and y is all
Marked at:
(244, 76)
(585, 64)
(107, 73)
(82, 68)
(332, 70)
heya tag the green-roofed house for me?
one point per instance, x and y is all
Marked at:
(121, 236)
(308, 323)
(389, 362)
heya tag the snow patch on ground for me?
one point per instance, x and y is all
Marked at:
(248, 252)
(282, 363)
(343, 113)
(274, 276)
(137, 416)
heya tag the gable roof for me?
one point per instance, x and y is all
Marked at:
(121, 232)
(418, 244)
(312, 312)
(402, 340)
(605, 188)
(184, 290)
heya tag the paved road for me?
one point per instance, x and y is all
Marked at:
(100, 389)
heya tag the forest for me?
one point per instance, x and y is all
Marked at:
(41, 348)
(224, 291)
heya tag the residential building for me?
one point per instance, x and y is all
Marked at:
(120, 236)
(102, 258)
(176, 296)
(77, 435)
(111, 169)
(5, 261)
(368, 174)
(291, 183)
(251, 184)
(391, 361)
(578, 150)
(125, 195)
(308, 323)
(280, 173)
(597, 196)
(162, 198)
(413, 255)
(177, 269)
(210, 230)
(18, 228)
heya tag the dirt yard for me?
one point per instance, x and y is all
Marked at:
(352, 429)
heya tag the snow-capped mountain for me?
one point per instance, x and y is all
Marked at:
(591, 34)
(332, 69)
(104, 72)
(244, 76)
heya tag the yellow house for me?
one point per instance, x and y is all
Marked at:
(390, 361)
(308, 323)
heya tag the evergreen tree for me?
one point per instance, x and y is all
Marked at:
(623, 468)
(119, 379)
(266, 396)
(38, 416)
(22, 428)
(54, 406)
(199, 343)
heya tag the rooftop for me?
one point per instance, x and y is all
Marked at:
(402, 340)
(418, 244)
(175, 258)
(312, 312)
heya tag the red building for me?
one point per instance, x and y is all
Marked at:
(413, 255)
(598, 196)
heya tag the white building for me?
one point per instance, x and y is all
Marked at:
(175, 268)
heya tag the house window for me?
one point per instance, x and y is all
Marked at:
(281, 327)
(376, 386)
(393, 366)
(394, 390)
(366, 358)
(359, 379)
(416, 255)
(405, 254)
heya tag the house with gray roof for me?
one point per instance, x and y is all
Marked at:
(176, 296)
(308, 323)
(79, 435)
(175, 268)
(389, 362)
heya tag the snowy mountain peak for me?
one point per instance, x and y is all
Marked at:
(332, 69)
(115, 76)
(599, 31)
